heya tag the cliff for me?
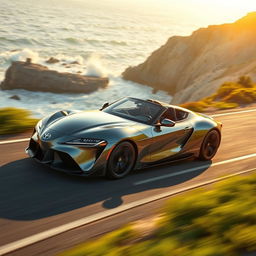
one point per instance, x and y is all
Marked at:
(193, 67)
(35, 77)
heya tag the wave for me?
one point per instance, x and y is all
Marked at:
(72, 40)
(18, 41)
(20, 55)
(95, 67)
(111, 42)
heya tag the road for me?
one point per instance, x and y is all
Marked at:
(35, 198)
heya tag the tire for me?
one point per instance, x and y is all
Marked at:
(210, 145)
(121, 160)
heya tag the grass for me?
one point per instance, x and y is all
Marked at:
(216, 222)
(229, 95)
(14, 120)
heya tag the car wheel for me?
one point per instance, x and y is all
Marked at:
(121, 160)
(210, 145)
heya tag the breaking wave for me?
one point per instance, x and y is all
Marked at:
(95, 67)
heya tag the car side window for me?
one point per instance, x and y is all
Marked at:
(180, 114)
(169, 114)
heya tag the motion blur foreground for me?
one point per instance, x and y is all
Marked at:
(127, 134)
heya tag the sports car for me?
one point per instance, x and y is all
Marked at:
(127, 134)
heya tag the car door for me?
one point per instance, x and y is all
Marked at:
(169, 141)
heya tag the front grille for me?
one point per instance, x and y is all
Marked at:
(68, 162)
(55, 159)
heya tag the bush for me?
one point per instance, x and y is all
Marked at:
(216, 222)
(242, 96)
(227, 88)
(229, 95)
(242, 237)
(113, 244)
(15, 120)
(225, 105)
(245, 81)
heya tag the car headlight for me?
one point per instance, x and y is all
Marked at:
(87, 142)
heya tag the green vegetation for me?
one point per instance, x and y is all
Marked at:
(229, 95)
(216, 222)
(14, 120)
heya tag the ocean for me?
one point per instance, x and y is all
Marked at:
(103, 37)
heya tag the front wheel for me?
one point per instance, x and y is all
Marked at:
(210, 145)
(121, 160)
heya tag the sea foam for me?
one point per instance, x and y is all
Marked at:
(20, 55)
(95, 67)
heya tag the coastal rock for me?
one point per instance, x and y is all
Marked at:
(35, 77)
(75, 63)
(193, 67)
(14, 97)
(52, 60)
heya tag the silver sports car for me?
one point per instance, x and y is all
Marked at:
(125, 135)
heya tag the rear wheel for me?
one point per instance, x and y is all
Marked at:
(210, 145)
(121, 160)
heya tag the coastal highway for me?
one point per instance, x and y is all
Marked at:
(43, 212)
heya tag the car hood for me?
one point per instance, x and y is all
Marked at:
(85, 120)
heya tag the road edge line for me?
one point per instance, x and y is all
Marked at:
(13, 246)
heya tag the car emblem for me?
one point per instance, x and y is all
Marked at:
(47, 136)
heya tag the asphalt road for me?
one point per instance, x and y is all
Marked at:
(35, 198)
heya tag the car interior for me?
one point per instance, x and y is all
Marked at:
(175, 115)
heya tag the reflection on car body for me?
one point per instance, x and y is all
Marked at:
(127, 134)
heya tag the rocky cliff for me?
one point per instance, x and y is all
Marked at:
(35, 77)
(193, 67)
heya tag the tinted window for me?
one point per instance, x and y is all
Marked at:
(180, 114)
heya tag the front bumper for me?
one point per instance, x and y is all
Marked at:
(73, 160)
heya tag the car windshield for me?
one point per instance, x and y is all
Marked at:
(135, 109)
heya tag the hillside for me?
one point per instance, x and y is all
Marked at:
(193, 67)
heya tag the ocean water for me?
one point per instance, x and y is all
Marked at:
(104, 37)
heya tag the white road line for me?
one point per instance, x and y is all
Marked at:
(193, 169)
(235, 113)
(13, 141)
(102, 215)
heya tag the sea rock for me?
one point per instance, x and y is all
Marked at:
(193, 67)
(35, 77)
(14, 97)
(52, 60)
(75, 63)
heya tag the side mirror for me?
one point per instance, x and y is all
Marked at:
(105, 105)
(167, 123)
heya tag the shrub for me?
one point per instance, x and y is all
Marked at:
(242, 96)
(245, 81)
(225, 105)
(15, 120)
(242, 237)
(210, 99)
(216, 222)
(227, 88)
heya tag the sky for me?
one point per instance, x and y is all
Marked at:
(202, 12)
